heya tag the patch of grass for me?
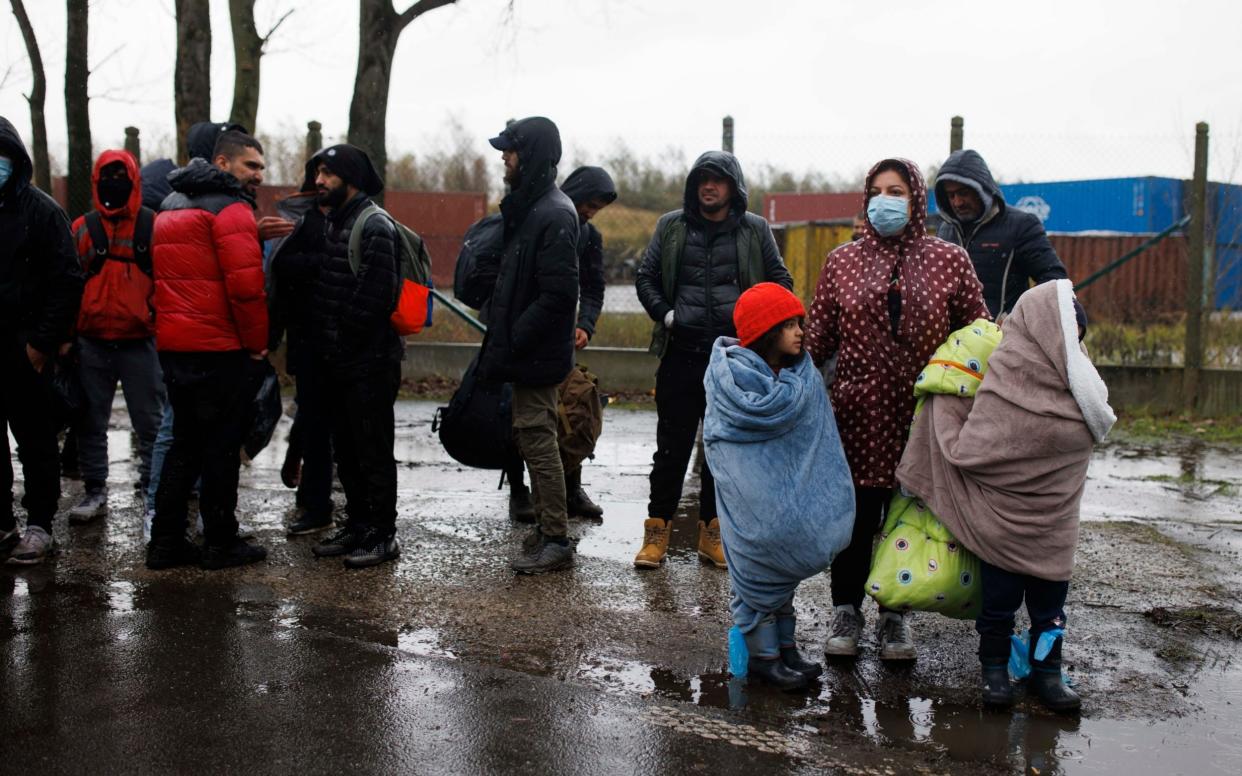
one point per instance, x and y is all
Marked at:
(1160, 343)
(1178, 654)
(1211, 620)
(613, 330)
(1151, 427)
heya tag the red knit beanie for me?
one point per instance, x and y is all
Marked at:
(761, 307)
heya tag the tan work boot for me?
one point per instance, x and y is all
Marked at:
(710, 548)
(655, 543)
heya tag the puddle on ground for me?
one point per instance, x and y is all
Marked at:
(422, 642)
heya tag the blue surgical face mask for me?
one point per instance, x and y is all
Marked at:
(889, 215)
(6, 170)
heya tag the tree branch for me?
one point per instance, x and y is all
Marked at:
(418, 9)
(276, 26)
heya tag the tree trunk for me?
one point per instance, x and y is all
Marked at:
(37, 97)
(379, 29)
(192, 76)
(77, 108)
(247, 52)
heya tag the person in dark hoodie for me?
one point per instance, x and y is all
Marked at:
(591, 189)
(40, 290)
(1008, 247)
(530, 335)
(700, 259)
(357, 354)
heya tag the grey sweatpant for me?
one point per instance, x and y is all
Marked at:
(136, 366)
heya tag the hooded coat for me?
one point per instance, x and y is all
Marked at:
(40, 280)
(1008, 247)
(850, 316)
(587, 184)
(531, 313)
(208, 266)
(293, 268)
(782, 483)
(200, 141)
(708, 279)
(116, 303)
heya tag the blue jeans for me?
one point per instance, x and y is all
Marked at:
(159, 451)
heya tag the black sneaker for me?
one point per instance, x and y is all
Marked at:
(339, 542)
(308, 523)
(552, 556)
(166, 553)
(239, 552)
(521, 508)
(373, 549)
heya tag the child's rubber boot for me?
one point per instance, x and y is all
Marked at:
(1046, 683)
(997, 689)
(790, 656)
(763, 644)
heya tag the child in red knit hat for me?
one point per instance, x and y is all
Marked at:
(768, 319)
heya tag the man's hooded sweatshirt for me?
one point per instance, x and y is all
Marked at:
(116, 304)
(1000, 238)
(530, 335)
(40, 281)
(200, 141)
(708, 279)
(590, 184)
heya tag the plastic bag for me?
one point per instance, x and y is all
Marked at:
(919, 566)
(739, 655)
(265, 411)
(1020, 650)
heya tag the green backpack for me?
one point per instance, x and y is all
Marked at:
(412, 309)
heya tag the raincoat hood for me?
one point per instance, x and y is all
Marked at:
(968, 168)
(918, 204)
(202, 177)
(589, 183)
(11, 145)
(134, 202)
(200, 141)
(721, 163)
(538, 145)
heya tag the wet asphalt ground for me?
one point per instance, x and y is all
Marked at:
(445, 662)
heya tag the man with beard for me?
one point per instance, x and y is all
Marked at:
(210, 327)
(700, 259)
(530, 336)
(40, 289)
(357, 354)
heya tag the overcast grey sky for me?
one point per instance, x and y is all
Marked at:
(1051, 90)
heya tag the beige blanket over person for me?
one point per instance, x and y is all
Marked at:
(1005, 471)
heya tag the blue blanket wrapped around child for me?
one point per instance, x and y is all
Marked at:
(783, 487)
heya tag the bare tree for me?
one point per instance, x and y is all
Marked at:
(192, 75)
(36, 98)
(77, 107)
(379, 29)
(248, 49)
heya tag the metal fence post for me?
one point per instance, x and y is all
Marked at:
(314, 138)
(1193, 349)
(132, 144)
(955, 133)
(726, 141)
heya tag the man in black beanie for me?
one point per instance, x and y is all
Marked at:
(358, 353)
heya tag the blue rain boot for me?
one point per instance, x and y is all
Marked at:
(763, 644)
(786, 624)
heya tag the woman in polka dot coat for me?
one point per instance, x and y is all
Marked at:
(883, 304)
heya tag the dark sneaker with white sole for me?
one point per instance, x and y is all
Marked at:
(551, 556)
(339, 542)
(373, 549)
(309, 524)
(94, 504)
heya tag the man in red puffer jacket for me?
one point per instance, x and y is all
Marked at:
(116, 327)
(211, 332)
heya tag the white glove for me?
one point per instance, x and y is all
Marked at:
(668, 319)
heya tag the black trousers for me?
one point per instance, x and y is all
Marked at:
(852, 566)
(209, 394)
(1003, 593)
(26, 406)
(363, 427)
(680, 403)
(312, 436)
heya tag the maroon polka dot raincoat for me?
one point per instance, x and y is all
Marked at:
(873, 395)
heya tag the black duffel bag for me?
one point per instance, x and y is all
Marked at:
(476, 428)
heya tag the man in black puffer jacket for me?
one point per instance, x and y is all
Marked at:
(1008, 247)
(530, 336)
(40, 290)
(700, 259)
(358, 354)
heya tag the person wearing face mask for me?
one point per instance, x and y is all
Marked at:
(883, 304)
(116, 325)
(210, 323)
(1008, 247)
(699, 261)
(40, 289)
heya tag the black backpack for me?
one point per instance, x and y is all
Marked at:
(476, 428)
(144, 226)
(479, 261)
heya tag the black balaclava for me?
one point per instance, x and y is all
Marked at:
(114, 192)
